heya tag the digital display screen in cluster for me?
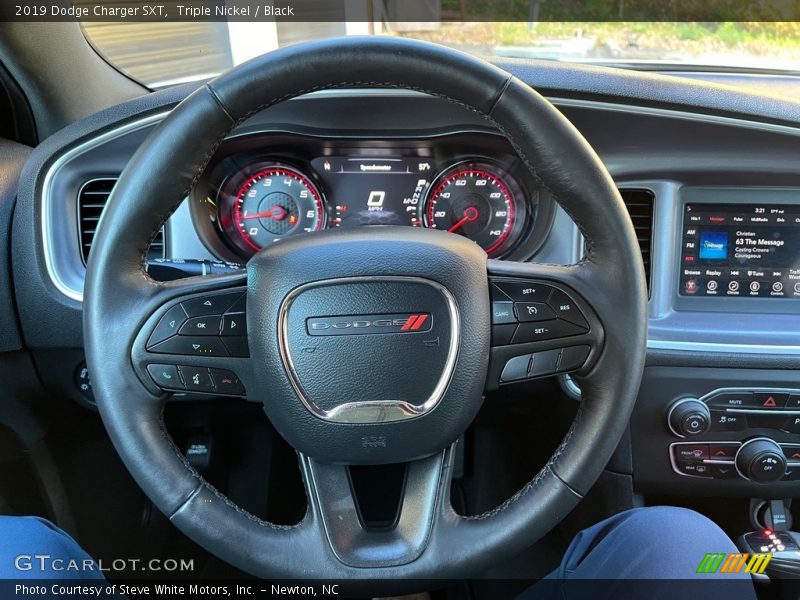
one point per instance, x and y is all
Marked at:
(374, 191)
(740, 251)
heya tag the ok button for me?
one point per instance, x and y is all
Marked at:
(533, 311)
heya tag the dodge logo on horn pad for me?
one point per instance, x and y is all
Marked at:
(370, 324)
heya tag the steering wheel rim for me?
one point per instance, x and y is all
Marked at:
(121, 299)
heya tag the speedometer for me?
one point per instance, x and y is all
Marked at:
(275, 202)
(479, 201)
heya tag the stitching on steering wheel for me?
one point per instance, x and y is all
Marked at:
(539, 477)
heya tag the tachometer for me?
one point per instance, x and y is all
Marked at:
(275, 202)
(479, 201)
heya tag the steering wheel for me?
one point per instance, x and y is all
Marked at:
(404, 393)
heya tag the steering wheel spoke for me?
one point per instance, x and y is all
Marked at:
(541, 324)
(423, 485)
(194, 338)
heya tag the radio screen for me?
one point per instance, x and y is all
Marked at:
(741, 251)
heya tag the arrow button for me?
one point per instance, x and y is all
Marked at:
(234, 324)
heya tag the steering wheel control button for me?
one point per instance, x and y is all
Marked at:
(234, 324)
(566, 309)
(544, 363)
(226, 382)
(197, 379)
(545, 330)
(524, 291)
(191, 346)
(237, 346)
(168, 326)
(516, 368)
(201, 326)
(573, 358)
(503, 313)
(210, 305)
(166, 377)
(533, 311)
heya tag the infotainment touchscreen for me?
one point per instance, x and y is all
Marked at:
(740, 251)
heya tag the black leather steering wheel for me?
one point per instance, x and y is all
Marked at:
(303, 283)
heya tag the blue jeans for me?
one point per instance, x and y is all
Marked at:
(648, 553)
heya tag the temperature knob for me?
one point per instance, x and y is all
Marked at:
(761, 460)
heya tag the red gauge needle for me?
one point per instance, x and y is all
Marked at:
(277, 213)
(470, 214)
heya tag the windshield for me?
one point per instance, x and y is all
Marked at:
(161, 54)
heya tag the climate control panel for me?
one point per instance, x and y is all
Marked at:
(758, 459)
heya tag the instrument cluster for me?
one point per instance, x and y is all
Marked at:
(262, 188)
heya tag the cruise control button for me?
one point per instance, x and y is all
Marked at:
(725, 421)
(237, 346)
(572, 358)
(191, 346)
(533, 311)
(503, 313)
(544, 363)
(502, 334)
(166, 376)
(524, 291)
(201, 326)
(566, 309)
(168, 326)
(546, 330)
(227, 382)
(516, 368)
(197, 379)
(210, 305)
(697, 469)
(691, 451)
(770, 400)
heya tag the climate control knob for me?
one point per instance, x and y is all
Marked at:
(760, 460)
(689, 417)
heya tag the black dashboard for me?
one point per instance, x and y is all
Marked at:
(710, 177)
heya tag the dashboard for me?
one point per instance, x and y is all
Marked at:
(714, 196)
(264, 187)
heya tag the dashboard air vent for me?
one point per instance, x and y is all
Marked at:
(92, 199)
(640, 207)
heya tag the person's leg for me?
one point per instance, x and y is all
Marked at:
(34, 548)
(654, 551)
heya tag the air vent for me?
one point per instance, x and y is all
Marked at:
(640, 208)
(92, 200)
